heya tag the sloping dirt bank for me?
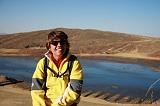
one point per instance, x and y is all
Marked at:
(40, 52)
(12, 94)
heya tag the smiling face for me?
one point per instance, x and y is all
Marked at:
(58, 48)
(58, 44)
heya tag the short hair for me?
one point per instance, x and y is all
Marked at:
(54, 35)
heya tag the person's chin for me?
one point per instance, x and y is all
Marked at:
(60, 54)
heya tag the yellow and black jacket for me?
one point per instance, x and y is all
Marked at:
(48, 89)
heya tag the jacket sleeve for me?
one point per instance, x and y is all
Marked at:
(37, 88)
(73, 91)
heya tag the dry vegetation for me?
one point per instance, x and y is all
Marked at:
(83, 42)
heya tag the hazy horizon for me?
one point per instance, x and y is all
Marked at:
(82, 29)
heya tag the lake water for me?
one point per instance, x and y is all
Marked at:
(99, 75)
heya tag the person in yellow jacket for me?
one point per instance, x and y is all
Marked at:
(58, 78)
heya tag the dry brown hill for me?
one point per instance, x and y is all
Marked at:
(86, 41)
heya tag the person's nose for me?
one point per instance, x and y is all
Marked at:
(59, 44)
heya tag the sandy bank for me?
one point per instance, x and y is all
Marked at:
(40, 52)
(12, 94)
(121, 55)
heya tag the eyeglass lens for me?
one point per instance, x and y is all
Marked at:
(55, 43)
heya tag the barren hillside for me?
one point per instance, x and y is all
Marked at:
(86, 41)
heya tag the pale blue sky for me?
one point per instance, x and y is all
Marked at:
(129, 16)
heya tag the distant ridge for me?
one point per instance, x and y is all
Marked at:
(3, 33)
(86, 41)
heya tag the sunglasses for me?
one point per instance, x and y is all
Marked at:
(55, 43)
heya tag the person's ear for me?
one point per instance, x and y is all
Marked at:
(48, 45)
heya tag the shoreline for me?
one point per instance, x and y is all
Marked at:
(18, 96)
(11, 88)
(120, 57)
(40, 52)
(135, 58)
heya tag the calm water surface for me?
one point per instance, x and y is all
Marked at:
(100, 75)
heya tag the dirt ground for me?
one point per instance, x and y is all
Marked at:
(14, 96)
